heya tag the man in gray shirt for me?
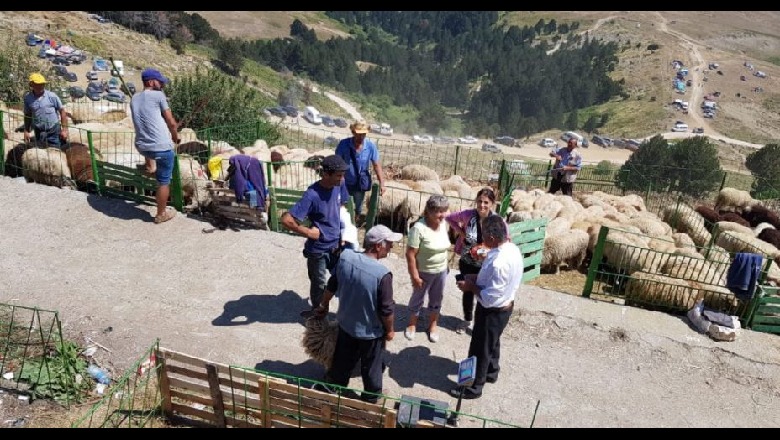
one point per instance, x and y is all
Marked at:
(155, 135)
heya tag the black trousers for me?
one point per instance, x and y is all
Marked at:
(489, 325)
(558, 184)
(348, 351)
(468, 297)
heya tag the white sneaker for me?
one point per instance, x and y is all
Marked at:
(409, 333)
(462, 327)
(433, 337)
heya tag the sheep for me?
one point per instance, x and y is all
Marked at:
(567, 247)
(695, 269)
(519, 216)
(188, 135)
(651, 289)
(761, 226)
(394, 206)
(194, 183)
(710, 215)
(294, 177)
(756, 214)
(682, 239)
(549, 210)
(80, 162)
(734, 218)
(771, 236)
(732, 199)
(418, 172)
(684, 219)
(48, 166)
(716, 297)
(557, 226)
(732, 226)
(650, 226)
(453, 182)
(13, 159)
(735, 242)
(545, 199)
(629, 251)
(198, 150)
(319, 340)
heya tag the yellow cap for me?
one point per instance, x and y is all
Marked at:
(37, 78)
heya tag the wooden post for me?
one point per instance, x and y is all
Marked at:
(165, 384)
(216, 395)
(457, 159)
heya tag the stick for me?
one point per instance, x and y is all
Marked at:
(91, 341)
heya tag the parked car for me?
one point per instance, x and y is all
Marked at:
(100, 65)
(115, 97)
(467, 140)
(94, 86)
(59, 70)
(422, 139)
(340, 122)
(60, 61)
(504, 140)
(76, 92)
(277, 111)
(548, 143)
(331, 141)
(92, 75)
(71, 77)
(601, 140)
(327, 121)
(290, 110)
(95, 95)
(129, 88)
(698, 130)
(490, 148)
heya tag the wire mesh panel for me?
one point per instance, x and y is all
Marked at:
(623, 268)
(34, 358)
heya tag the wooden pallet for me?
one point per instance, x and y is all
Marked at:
(529, 237)
(226, 206)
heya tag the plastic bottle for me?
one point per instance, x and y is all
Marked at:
(100, 375)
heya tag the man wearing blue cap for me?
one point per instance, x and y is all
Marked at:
(155, 134)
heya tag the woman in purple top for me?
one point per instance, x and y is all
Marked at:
(467, 226)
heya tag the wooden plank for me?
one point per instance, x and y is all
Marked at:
(193, 412)
(165, 386)
(184, 396)
(532, 260)
(279, 420)
(249, 375)
(243, 423)
(216, 396)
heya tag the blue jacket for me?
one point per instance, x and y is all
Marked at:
(743, 274)
(248, 170)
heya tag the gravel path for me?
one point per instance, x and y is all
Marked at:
(234, 297)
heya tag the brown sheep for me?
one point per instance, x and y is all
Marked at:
(771, 236)
(734, 217)
(80, 162)
(710, 215)
(759, 214)
(198, 150)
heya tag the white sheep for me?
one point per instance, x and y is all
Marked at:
(194, 182)
(733, 226)
(734, 242)
(650, 226)
(732, 199)
(418, 172)
(48, 166)
(652, 289)
(684, 219)
(567, 247)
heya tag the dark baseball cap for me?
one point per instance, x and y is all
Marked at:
(333, 163)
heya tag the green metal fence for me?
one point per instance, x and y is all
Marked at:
(35, 360)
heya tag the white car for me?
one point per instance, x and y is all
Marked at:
(422, 139)
(548, 143)
(467, 140)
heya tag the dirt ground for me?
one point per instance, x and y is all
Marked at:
(234, 297)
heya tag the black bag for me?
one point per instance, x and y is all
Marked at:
(363, 176)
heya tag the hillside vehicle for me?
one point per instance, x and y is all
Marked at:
(312, 115)
(570, 134)
(467, 140)
(422, 139)
(327, 121)
(490, 148)
(92, 75)
(548, 143)
(698, 130)
(290, 110)
(504, 140)
(100, 65)
(340, 122)
(601, 140)
(119, 68)
(680, 127)
(385, 129)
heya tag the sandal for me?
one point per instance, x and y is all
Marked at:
(169, 214)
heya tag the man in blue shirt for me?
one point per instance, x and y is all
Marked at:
(358, 152)
(44, 114)
(567, 163)
(366, 312)
(320, 204)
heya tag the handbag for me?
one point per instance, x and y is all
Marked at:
(363, 176)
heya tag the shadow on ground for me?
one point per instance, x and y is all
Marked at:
(284, 307)
(125, 211)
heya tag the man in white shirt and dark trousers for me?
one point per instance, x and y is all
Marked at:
(494, 287)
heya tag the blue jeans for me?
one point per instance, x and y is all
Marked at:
(50, 136)
(358, 197)
(319, 267)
